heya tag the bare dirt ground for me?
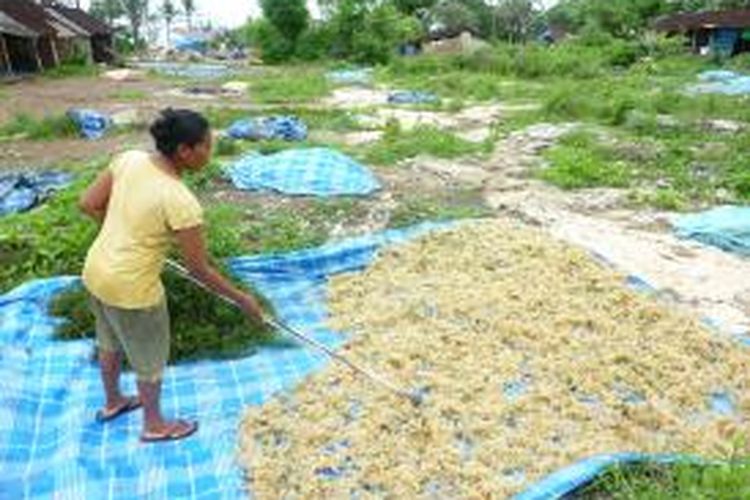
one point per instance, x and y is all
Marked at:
(140, 98)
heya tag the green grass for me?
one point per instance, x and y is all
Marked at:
(580, 162)
(291, 85)
(72, 70)
(442, 207)
(287, 228)
(397, 145)
(39, 129)
(672, 168)
(337, 120)
(729, 481)
(128, 95)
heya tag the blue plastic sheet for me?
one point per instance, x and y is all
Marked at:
(190, 43)
(314, 171)
(288, 128)
(721, 82)
(725, 227)
(412, 97)
(187, 70)
(359, 76)
(92, 124)
(22, 191)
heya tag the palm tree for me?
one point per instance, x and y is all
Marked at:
(189, 7)
(168, 11)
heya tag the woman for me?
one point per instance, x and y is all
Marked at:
(143, 205)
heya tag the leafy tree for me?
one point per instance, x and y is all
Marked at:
(513, 20)
(384, 29)
(454, 16)
(410, 7)
(136, 12)
(273, 45)
(107, 10)
(289, 17)
(619, 19)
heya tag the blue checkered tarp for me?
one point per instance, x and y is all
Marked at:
(314, 171)
(91, 124)
(287, 128)
(21, 191)
(50, 445)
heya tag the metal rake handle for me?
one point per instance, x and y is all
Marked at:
(414, 397)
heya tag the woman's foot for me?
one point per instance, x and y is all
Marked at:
(112, 411)
(170, 431)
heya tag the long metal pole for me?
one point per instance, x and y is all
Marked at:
(414, 397)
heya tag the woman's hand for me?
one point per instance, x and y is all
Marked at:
(251, 308)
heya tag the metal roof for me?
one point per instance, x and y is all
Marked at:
(737, 18)
(30, 15)
(11, 27)
(65, 27)
(84, 20)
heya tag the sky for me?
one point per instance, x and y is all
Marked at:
(224, 13)
(233, 13)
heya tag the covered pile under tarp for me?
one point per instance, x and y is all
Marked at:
(287, 128)
(91, 124)
(531, 356)
(313, 171)
(21, 191)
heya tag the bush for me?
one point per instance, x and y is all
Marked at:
(202, 326)
(273, 46)
(578, 162)
(397, 145)
(315, 43)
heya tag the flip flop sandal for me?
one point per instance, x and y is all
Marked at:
(133, 403)
(172, 434)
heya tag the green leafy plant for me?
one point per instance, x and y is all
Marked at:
(727, 481)
(39, 129)
(438, 208)
(397, 144)
(202, 326)
(290, 86)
